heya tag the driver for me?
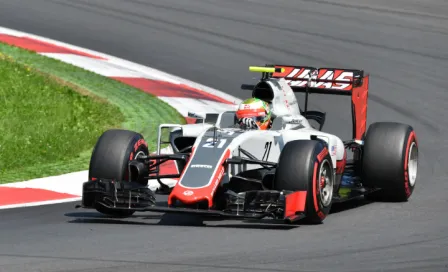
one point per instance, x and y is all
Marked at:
(254, 113)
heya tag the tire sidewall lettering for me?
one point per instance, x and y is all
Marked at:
(139, 143)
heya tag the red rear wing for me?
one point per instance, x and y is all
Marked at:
(336, 81)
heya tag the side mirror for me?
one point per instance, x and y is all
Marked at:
(198, 115)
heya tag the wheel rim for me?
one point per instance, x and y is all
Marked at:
(325, 180)
(412, 163)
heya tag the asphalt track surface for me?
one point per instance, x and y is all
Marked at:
(402, 44)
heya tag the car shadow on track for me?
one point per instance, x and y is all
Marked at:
(172, 220)
(160, 219)
(349, 205)
(167, 219)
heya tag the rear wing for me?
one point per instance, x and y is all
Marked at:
(336, 81)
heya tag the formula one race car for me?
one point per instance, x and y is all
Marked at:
(289, 172)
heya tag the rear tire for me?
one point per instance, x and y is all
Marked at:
(110, 157)
(306, 165)
(390, 160)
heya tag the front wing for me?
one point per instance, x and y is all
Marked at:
(131, 196)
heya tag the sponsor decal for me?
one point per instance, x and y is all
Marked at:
(324, 74)
(188, 193)
(201, 166)
(295, 121)
(333, 150)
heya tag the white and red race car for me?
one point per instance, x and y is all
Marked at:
(292, 171)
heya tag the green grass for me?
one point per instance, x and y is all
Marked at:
(52, 113)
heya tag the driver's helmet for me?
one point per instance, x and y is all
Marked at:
(254, 113)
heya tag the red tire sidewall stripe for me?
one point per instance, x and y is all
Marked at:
(407, 185)
(316, 205)
(320, 158)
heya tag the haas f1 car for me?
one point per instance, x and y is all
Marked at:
(292, 171)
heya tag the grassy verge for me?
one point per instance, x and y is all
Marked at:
(53, 113)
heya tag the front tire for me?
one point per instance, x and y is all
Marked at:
(306, 165)
(110, 158)
(390, 161)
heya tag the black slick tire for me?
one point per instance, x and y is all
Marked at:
(389, 161)
(110, 157)
(300, 164)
